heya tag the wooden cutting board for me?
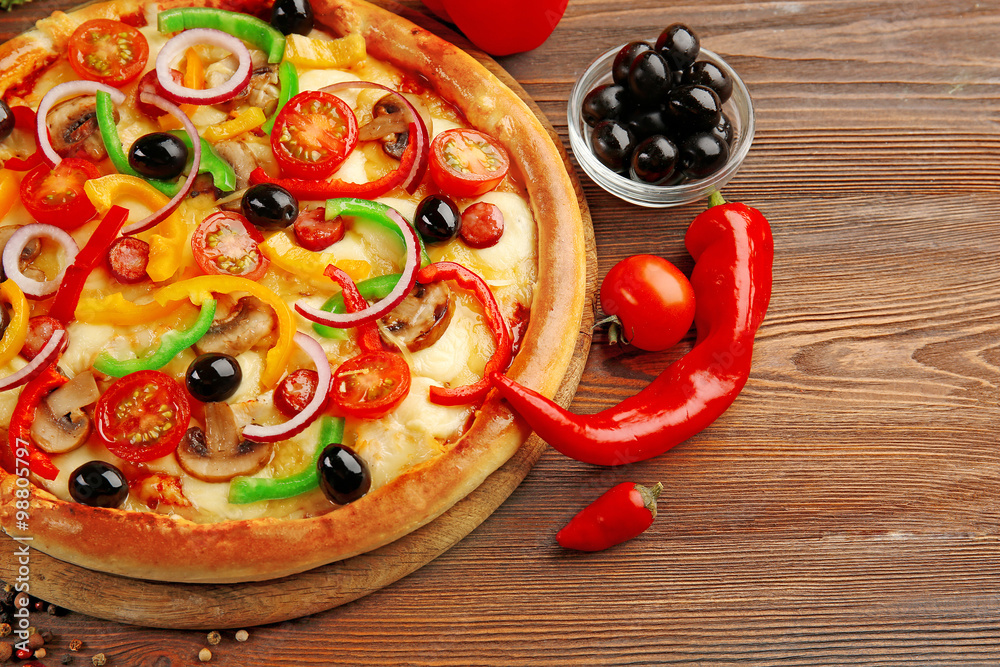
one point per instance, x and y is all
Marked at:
(220, 606)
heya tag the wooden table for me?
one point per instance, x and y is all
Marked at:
(846, 509)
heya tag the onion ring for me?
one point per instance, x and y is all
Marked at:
(420, 138)
(312, 410)
(180, 43)
(156, 216)
(391, 300)
(57, 94)
(32, 288)
(45, 356)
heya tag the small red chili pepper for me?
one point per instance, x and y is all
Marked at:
(733, 252)
(24, 118)
(368, 338)
(623, 512)
(68, 296)
(465, 278)
(24, 413)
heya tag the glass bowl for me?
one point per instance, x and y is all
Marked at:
(738, 107)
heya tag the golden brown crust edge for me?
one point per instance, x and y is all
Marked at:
(159, 547)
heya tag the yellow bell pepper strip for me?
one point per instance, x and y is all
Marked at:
(288, 87)
(9, 189)
(115, 309)
(247, 120)
(172, 343)
(248, 28)
(244, 490)
(200, 289)
(166, 247)
(194, 70)
(320, 53)
(17, 329)
(306, 264)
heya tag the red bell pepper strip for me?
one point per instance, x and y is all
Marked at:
(623, 512)
(24, 118)
(68, 296)
(733, 252)
(329, 189)
(19, 434)
(498, 363)
(368, 338)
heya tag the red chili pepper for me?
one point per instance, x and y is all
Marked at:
(68, 296)
(329, 189)
(24, 118)
(623, 512)
(19, 434)
(368, 338)
(733, 251)
(472, 393)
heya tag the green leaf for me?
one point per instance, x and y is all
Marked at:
(10, 4)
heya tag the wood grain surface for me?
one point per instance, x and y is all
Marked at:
(846, 509)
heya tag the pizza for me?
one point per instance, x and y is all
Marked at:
(249, 353)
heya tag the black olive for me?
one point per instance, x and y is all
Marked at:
(604, 102)
(6, 120)
(679, 45)
(623, 61)
(654, 160)
(649, 78)
(710, 75)
(724, 130)
(437, 219)
(695, 107)
(343, 475)
(702, 154)
(269, 206)
(645, 122)
(213, 377)
(98, 484)
(612, 142)
(158, 155)
(292, 16)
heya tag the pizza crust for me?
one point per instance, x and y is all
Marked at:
(167, 548)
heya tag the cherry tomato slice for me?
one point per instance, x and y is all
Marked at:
(314, 232)
(108, 51)
(56, 196)
(482, 225)
(313, 134)
(295, 391)
(370, 384)
(653, 300)
(40, 330)
(467, 163)
(143, 416)
(226, 244)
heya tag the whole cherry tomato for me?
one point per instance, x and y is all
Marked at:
(503, 28)
(651, 300)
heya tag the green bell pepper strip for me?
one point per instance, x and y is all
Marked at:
(371, 289)
(371, 211)
(244, 490)
(248, 28)
(171, 344)
(288, 84)
(211, 162)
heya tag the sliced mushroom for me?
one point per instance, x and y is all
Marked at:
(60, 423)
(261, 91)
(422, 316)
(204, 184)
(4, 319)
(249, 322)
(28, 254)
(219, 453)
(245, 156)
(388, 124)
(73, 126)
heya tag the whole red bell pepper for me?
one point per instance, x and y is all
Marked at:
(19, 434)
(733, 252)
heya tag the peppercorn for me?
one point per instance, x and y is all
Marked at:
(6, 651)
(214, 637)
(242, 635)
(35, 641)
(75, 645)
(204, 655)
(38, 605)
(22, 600)
(67, 659)
(99, 660)
(5, 629)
